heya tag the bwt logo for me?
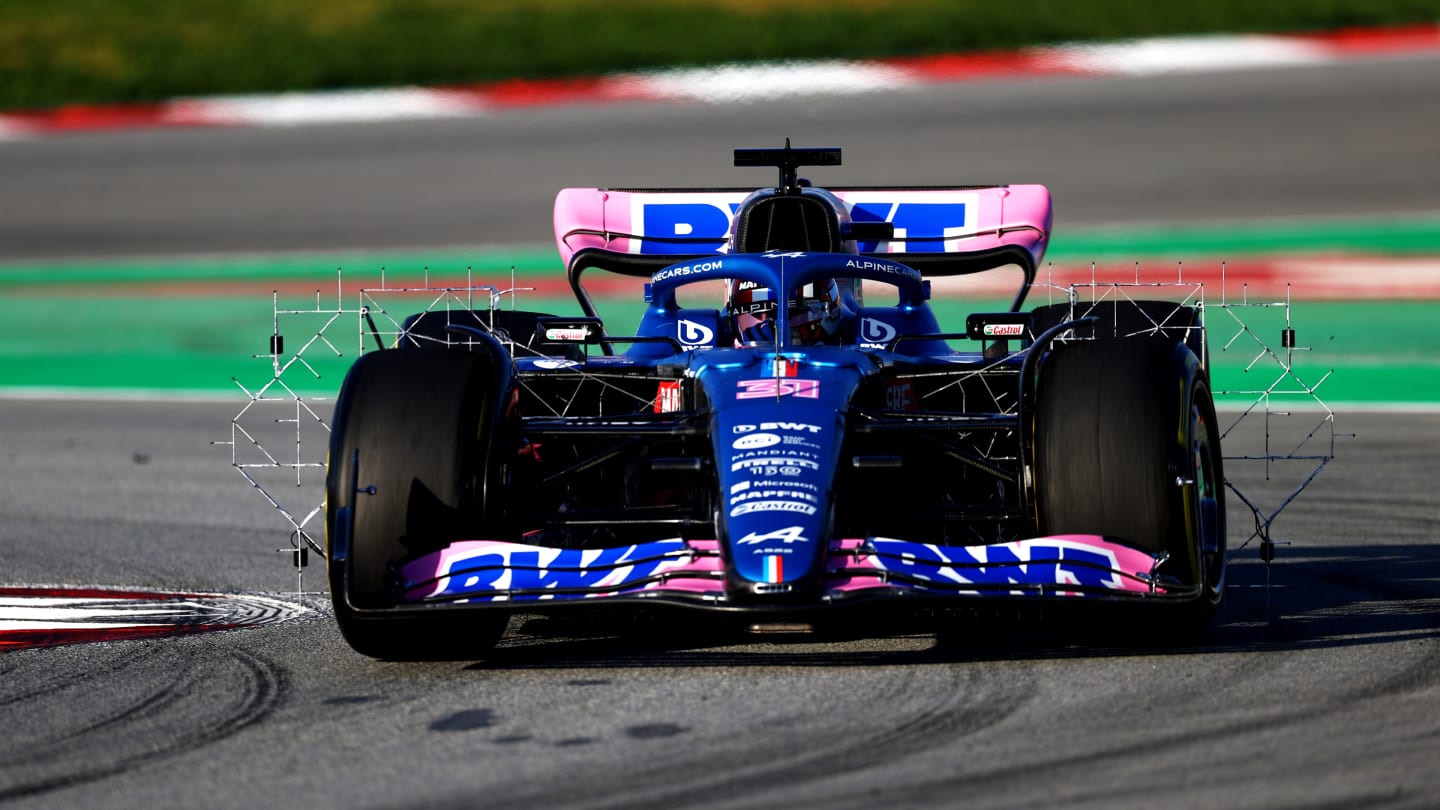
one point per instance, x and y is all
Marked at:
(1047, 561)
(523, 569)
(704, 221)
(704, 224)
(798, 427)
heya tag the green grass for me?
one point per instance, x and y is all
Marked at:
(56, 52)
(164, 326)
(124, 343)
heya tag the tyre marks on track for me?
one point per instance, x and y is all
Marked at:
(930, 701)
(1241, 705)
(946, 705)
(124, 706)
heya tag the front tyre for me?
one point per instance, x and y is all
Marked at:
(410, 471)
(1127, 446)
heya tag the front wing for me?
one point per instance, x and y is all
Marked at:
(691, 572)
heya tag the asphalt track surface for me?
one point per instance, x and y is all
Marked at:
(1326, 697)
(1322, 691)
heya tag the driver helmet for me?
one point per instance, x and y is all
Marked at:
(814, 312)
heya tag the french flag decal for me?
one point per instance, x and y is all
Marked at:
(774, 568)
(785, 367)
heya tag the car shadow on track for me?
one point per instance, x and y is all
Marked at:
(1333, 596)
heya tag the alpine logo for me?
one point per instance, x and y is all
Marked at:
(790, 534)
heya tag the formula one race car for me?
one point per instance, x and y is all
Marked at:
(806, 439)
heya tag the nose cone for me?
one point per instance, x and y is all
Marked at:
(776, 435)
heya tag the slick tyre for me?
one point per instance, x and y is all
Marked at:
(410, 470)
(1126, 445)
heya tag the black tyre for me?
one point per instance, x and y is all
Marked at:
(1127, 445)
(411, 470)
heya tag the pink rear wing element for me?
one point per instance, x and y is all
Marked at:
(688, 223)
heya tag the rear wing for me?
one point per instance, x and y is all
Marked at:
(938, 231)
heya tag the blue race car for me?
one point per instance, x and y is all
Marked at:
(788, 435)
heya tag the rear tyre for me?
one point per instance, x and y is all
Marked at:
(1126, 445)
(410, 471)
